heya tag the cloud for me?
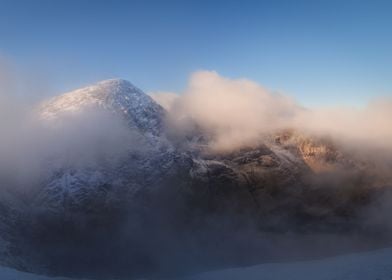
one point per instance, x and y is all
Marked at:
(165, 99)
(368, 127)
(239, 112)
(233, 112)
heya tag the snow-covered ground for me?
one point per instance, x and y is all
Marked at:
(12, 274)
(375, 265)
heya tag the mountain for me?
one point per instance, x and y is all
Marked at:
(118, 196)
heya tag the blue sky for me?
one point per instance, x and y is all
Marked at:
(320, 52)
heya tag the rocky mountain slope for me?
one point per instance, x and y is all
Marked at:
(74, 185)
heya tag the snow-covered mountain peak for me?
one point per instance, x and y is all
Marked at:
(116, 87)
(115, 95)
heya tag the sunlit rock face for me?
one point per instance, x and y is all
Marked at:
(320, 154)
(119, 191)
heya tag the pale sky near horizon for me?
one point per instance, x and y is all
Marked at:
(320, 52)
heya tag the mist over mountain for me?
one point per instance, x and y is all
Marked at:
(238, 111)
(106, 181)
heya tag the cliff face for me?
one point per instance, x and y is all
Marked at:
(321, 154)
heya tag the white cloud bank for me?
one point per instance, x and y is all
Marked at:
(238, 112)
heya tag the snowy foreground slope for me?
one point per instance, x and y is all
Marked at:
(361, 266)
(375, 265)
(12, 274)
